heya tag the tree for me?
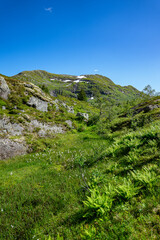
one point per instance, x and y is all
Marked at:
(82, 95)
(149, 91)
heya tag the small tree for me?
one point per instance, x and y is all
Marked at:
(44, 88)
(82, 95)
(149, 91)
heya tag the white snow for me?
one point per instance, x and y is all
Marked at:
(77, 81)
(80, 77)
(67, 81)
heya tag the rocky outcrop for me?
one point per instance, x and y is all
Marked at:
(151, 107)
(84, 116)
(69, 109)
(9, 128)
(69, 123)
(55, 102)
(38, 104)
(44, 129)
(4, 89)
(10, 148)
(146, 108)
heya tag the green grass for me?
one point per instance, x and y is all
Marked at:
(44, 189)
(84, 187)
(98, 181)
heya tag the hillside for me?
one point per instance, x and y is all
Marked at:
(28, 115)
(85, 170)
(68, 85)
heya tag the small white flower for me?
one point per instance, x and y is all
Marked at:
(11, 173)
(12, 226)
(1, 209)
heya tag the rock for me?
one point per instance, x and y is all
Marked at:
(151, 107)
(9, 148)
(55, 102)
(84, 116)
(4, 89)
(38, 104)
(146, 108)
(28, 85)
(9, 128)
(70, 109)
(45, 129)
(69, 123)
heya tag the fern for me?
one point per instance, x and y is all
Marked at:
(127, 190)
(97, 204)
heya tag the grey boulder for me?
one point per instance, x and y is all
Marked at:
(38, 104)
(4, 89)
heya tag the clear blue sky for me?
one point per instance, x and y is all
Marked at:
(116, 38)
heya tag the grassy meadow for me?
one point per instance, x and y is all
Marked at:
(84, 186)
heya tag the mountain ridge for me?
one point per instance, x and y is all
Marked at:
(70, 85)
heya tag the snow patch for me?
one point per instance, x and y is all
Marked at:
(77, 81)
(80, 77)
(67, 81)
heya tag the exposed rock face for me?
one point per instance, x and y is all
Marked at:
(9, 148)
(45, 129)
(8, 128)
(84, 116)
(4, 89)
(70, 109)
(28, 85)
(151, 107)
(69, 123)
(55, 102)
(147, 108)
(38, 104)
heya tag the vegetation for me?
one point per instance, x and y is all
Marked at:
(100, 180)
(70, 86)
(82, 95)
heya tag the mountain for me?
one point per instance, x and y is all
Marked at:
(29, 114)
(68, 85)
(85, 169)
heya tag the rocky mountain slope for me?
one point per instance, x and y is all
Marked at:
(28, 115)
(91, 170)
(69, 85)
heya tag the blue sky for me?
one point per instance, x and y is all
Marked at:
(116, 38)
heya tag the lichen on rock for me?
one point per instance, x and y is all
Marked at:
(4, 89)
(38, 104)
(10, 148)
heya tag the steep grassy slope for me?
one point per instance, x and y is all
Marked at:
(69, 85)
